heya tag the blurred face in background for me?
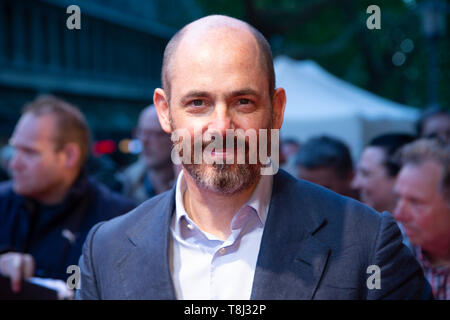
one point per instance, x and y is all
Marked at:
(437, 126)
(37, 167)
(289, 149)
(422, 207)
(156, 144)
(372, 181)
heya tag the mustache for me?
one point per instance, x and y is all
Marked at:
(235, 147)
(226, 140)
(202, 146)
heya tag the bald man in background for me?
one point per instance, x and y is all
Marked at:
(153, 173)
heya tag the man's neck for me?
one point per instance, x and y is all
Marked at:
(56, 193)
(211, 211)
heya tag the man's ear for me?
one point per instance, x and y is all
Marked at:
(72, 153)
(162, 109)
(278, 103)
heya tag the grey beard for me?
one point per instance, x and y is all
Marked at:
(228, 179)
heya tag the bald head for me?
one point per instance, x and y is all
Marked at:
(216, 27)
(148, 119)
(156, 143)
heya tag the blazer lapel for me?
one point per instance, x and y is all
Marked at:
(291, 260)
(145, 267)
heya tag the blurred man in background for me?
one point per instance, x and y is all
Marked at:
(154, 172)
(49, 206)
(377, 171)
(326, 161)
(289, 148)
(435, 123)
(423, 189)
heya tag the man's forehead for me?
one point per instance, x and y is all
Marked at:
(429, 168)
(32, 129)
(42, 124)
(374, 154)
(215, 42)
(426, 176)
(222, 41)
(218, 55)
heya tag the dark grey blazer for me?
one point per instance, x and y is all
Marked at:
(316, 245)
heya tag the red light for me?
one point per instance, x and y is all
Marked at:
(104, 147)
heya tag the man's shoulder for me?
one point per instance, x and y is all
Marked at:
(141, 216)
(5, 188)
(104, 194)
(321, 204)
(318, 196)
(8, 197)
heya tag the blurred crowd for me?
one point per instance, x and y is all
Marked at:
(52, 193)
(405, 175)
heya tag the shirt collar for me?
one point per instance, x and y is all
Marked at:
(259, 201)
(260, 198)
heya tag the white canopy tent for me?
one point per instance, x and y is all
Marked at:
(320, 103)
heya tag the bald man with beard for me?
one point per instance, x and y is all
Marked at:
(230, 231)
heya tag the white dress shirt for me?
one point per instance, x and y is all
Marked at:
(205, 267)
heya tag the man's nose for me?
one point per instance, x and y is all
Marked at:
(15, 162)
(401, 211)
(356, 183)
(222, 120)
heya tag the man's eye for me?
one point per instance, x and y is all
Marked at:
(364, 173)
(197, 103)
(244, 101)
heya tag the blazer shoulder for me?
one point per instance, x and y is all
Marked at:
(149, 210)
(327, 202)
(341, 215)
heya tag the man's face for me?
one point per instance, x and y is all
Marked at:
(438, 126)
(155, 142)
(217, 83)
(373, 182)
(326, 177)
(36, 166)
(421, 206)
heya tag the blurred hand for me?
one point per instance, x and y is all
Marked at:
(61, 288)
(17, 266)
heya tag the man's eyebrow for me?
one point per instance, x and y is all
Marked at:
(240, 92)
(196, 94)
(243, 92)
(25, 147)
